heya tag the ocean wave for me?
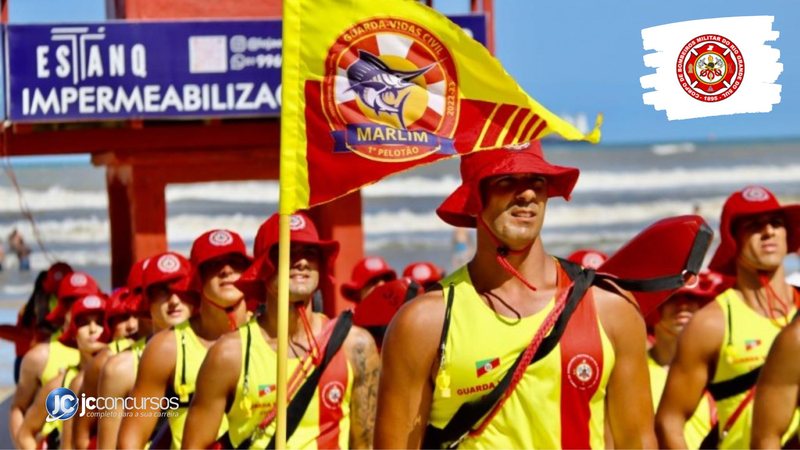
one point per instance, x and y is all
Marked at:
(412, 186)
(184, 228)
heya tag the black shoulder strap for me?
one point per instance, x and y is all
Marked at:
(297, 407)
(470, 413)
(734, 386)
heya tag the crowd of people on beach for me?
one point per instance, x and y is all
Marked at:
(514, 348)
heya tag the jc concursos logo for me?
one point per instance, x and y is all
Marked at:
(61, 404)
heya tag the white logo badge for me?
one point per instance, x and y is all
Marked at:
(755, 194)
(92, 302)
(332, 394)
(297, 222)
(421, 272)
(168, 264)
(373, 264)
(220, 238)
(78, 280)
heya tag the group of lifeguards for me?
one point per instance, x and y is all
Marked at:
(202, 334)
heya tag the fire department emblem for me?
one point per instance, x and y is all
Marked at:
(220, 238)
(296, 222)
(755, 194)
(78, 280)
(390, 91)
(710, 68)
(168, 264)
(583, 371)
(332, 394)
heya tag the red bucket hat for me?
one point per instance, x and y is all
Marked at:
(464, 204)
(366, 270)
(76, 284)
(211, 245)
(302, 231)
(170, 268)
(86, 305)
(750, 201)
(423, 273)
(55, 274)
(591, 259)
(707, 286)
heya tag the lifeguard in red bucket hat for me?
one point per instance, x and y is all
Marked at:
(172, 359)
(88, 334)
(726, 343)
(332, 365)
(45, 360)
(501, 304)
(665, 325)
(368, 273)
(154, 297)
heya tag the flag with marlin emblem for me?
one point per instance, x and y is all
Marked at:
(372, 88)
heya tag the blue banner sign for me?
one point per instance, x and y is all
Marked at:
(146, 70)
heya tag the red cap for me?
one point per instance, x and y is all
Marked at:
(211, 245)
(55, 274)
(378, 308)
(84, 306)
(462, 206)
(120, 303)
(76, 284)
(302, 231)
(170, 268)
(366, 270)
(706, 287)
(135, 281)
(590, 259)
(424, 272)
(750, 201)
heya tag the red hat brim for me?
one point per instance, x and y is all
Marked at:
(724, 259)
(351, 290)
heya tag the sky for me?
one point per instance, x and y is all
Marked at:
(585, 56)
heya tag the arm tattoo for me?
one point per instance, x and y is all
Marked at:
(366, 365)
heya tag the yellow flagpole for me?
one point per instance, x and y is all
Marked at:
(283, 327)
(291, 114)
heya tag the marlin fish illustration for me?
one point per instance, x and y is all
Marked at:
(379, 86)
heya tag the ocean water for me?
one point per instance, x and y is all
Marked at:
(620, 191)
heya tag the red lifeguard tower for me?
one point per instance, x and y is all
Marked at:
(142, 156)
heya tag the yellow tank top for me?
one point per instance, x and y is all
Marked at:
(190, 354)
(746, 342)
(119, 345)
(481, 347)
(256, 398)
(59, 357)
(58, 425)
(699, 425)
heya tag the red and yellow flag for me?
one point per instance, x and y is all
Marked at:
(372, 88)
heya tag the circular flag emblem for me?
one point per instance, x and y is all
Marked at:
(583, 371)
(390, 91)
(168, 264)
(710, 68)
(297, 222)
(755, 194)
(332, 394)
(220, 238)
(78, 280)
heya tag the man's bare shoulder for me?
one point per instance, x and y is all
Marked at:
(164, 340)
(227, 351)
(119, 366)
(424, 313)
(358, 337)
(37, 356)
(787, 343)
(708, 323)
(617, 313)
